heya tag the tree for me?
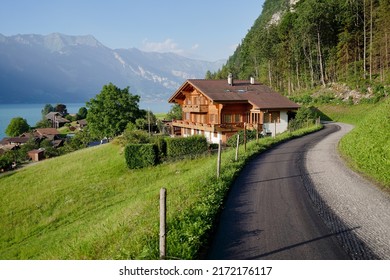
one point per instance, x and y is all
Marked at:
(148, 122)
(61, 108)
(43, 124)
(17, 126)
(111, 110)
(46, 110)
(82, 113)
(175, 113)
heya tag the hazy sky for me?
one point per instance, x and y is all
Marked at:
(201, 29)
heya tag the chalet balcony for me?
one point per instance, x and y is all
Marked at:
(225, 127)
(195, 108)
(193, 125)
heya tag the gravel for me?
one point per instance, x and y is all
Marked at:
(348, 203)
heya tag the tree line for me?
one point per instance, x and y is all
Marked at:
(313, 43)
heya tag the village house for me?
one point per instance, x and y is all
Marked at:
(56, 119)
(47, 133)
(218, 109)
(36, 155)
(82, 123)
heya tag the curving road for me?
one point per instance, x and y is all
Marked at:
(298, 201)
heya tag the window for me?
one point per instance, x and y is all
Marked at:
(271, 117)
(227, 118)
(237, 118)
(275, 117)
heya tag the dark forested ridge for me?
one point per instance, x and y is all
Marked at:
(299, 44)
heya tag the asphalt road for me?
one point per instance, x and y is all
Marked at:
(274, 211)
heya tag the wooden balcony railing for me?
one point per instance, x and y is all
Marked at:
(215, 127)
(195, 108)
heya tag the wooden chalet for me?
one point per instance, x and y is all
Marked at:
(36, 155)
(56, 119)
(218, 109)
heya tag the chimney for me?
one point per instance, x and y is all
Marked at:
(252, 81)
(230, 79)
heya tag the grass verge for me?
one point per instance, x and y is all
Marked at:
(367, 146)
(88, 205)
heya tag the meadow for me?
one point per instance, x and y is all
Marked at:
(89, 205)
(367, 147)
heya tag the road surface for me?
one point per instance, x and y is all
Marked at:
(276, 211)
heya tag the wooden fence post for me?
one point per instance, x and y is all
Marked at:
(275, 129)
(238, 144)
(163, 219)
(219, 159)
(245, 137)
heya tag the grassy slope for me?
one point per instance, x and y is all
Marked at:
(367, 147)
(88, 205)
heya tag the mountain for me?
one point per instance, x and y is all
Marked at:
(298, 45)
(62, 68)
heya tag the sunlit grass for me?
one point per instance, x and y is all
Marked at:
(367, 147)
(88, 205)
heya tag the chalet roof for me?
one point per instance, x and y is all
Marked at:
(36, 151)
(47, 131)
(9, 140)
(82, 122)
(58, 117)
(219, 91)
(52, 114)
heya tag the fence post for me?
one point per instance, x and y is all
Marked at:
(275, 129)
(219, 159)
(245, 137)
(238, 144)
(163, 219)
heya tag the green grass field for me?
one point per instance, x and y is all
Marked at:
(88, 205)
(367, 147)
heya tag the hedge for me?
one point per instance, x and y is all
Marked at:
(141, 155)
(181, 147)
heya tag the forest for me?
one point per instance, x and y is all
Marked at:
(299, 45)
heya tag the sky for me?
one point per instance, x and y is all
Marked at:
(200, 29)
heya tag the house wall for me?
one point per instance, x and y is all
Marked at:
(280, 127)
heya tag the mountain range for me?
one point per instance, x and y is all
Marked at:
(61, 68)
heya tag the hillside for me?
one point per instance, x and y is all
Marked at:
(72, 69)
(88, 205)
(297, 45)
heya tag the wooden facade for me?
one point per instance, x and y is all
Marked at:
(217, 109)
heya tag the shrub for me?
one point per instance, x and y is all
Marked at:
(5, 161)
(192, 146)
(305, 117)
(250, 135)
(161, 143)
(141, 155)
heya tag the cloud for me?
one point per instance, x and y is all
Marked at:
(195, 47)
(169, 45)
(166, 46)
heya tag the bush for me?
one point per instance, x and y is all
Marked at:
(141, 155)
(250, 135)
(161, 143)
(192, 146)
(5, 161)
(305, 117)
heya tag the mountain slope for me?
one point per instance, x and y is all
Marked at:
(297, 45)
(62, 68)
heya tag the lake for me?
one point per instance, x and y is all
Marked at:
(32, 112)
